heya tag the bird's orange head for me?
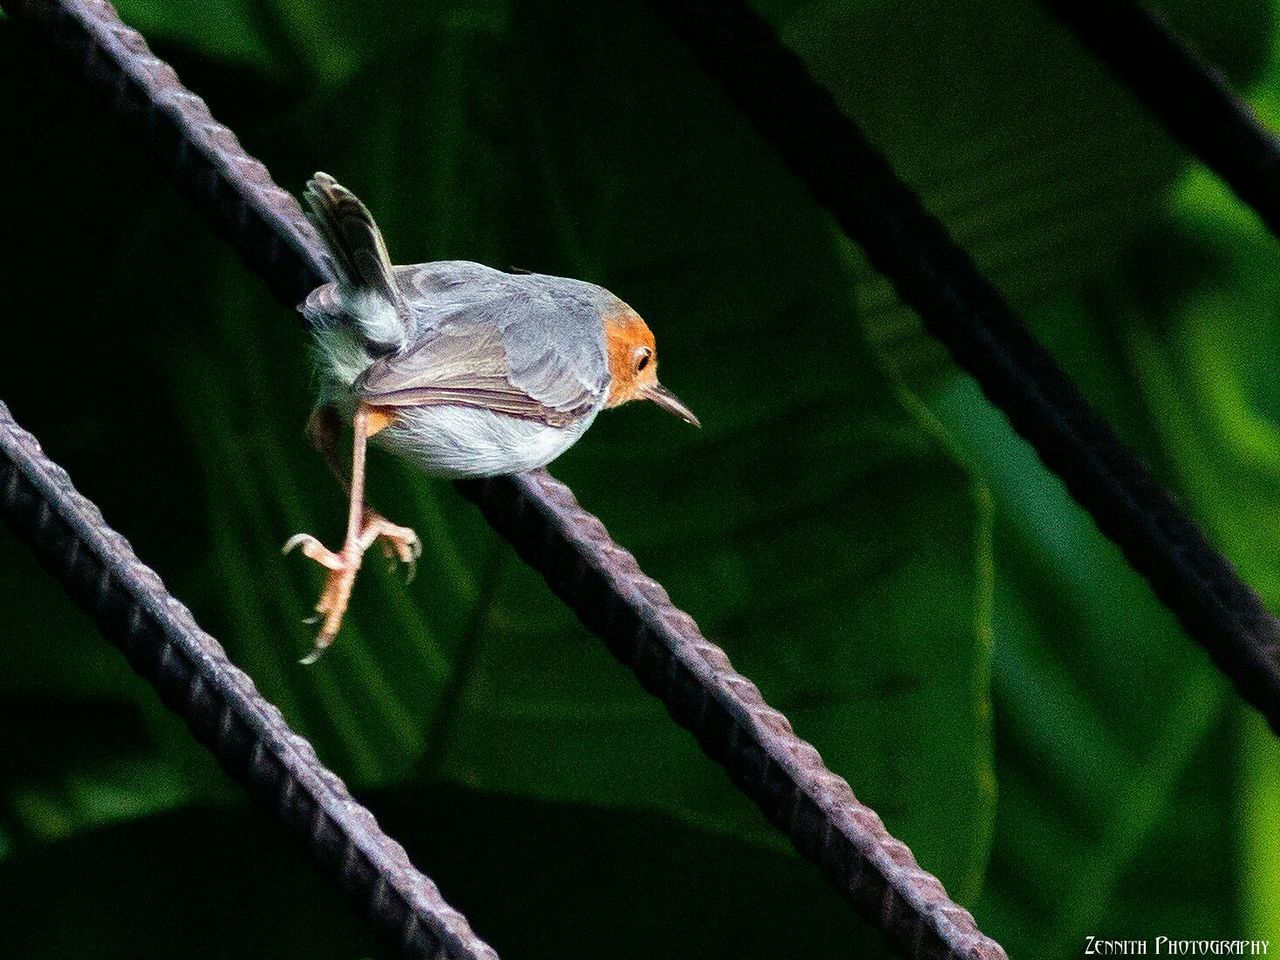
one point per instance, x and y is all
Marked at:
(633, 365)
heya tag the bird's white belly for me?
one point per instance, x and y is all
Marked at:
(471, 442)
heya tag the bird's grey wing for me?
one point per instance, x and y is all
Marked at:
(515, 354)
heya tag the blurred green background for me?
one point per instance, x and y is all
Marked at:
(861, 532)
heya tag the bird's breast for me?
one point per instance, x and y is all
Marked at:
(449, 441)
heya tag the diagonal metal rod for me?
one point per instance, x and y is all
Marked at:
(961, 308)
(1189, 96)
(222, 707)
(780, 772)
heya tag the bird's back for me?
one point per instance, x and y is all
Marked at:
(550, 327)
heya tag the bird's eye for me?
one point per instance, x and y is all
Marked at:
(643, 356)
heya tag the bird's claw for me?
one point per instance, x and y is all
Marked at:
(316, 652)
(399, 544)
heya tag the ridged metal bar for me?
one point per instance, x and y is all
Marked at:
(961, 309)
(571, 548)
(222, 707)
(1188, 95)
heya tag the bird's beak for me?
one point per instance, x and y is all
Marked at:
(669, 402)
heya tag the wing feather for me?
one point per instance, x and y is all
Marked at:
(516, 352)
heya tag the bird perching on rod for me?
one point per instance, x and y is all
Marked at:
(463, 370)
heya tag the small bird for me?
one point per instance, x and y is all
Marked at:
(463, 370)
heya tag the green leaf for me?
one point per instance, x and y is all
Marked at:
(865, 536)
(819, 527)
(1050, 174)
(1112, 752)
(1039, 165)
(1258, 801)
(801, 526)
(1101, 703)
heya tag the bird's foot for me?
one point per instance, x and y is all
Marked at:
(399, 543)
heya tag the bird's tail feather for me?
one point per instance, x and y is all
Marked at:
(366, 279)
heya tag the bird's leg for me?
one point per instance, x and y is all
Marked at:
(397, 542)
(364, 527)
(345, 564)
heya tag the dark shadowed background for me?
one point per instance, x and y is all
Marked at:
(865, 537)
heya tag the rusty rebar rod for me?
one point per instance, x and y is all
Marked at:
(1186, 92)
(222, 707)
(961, 309)
(784, 775)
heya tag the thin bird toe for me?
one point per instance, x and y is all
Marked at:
(317, 551)
(297, 540)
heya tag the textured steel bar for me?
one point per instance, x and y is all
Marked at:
(1186, 93)
(961, 308)
(816, 809)
(724, 710)
(222, 707)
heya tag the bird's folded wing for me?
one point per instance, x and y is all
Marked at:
(479, 359)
